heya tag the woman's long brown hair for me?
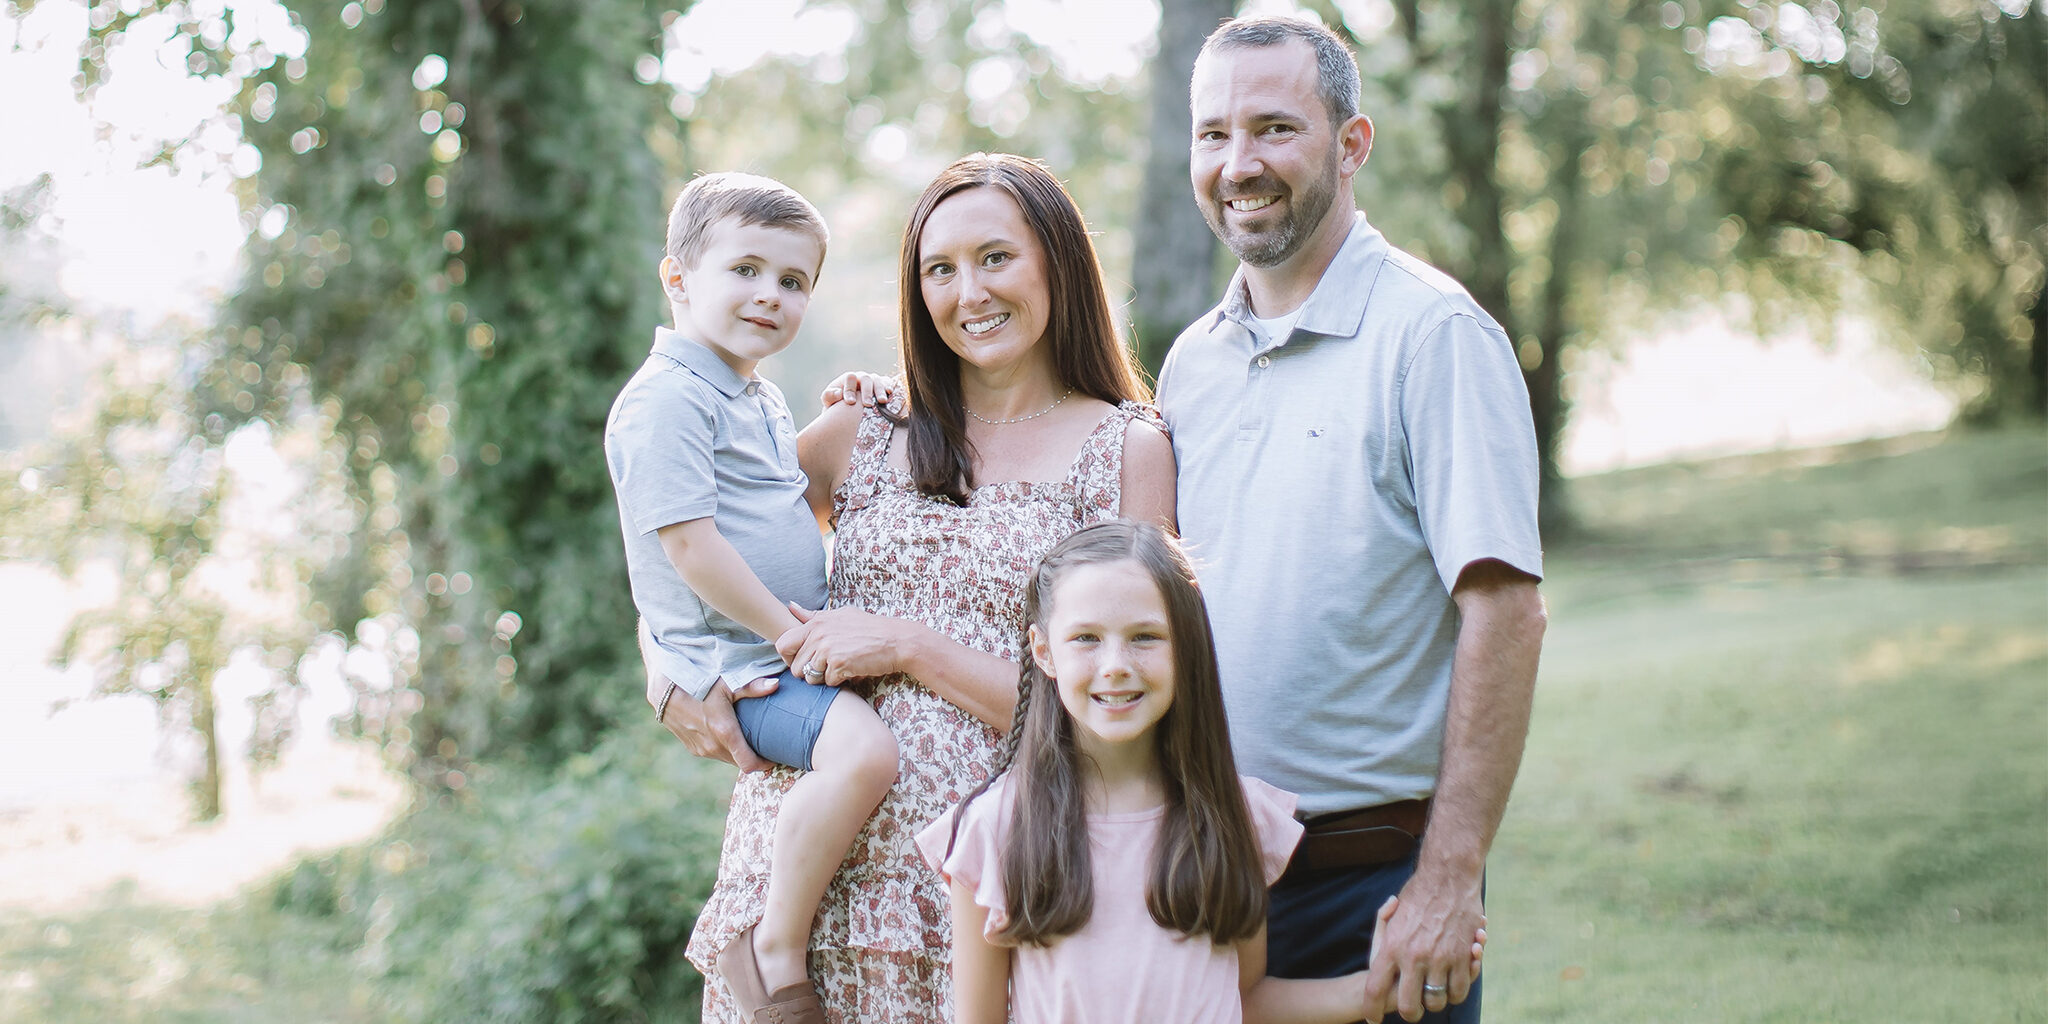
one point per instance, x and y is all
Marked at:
(1207, 875)
(1087, 355)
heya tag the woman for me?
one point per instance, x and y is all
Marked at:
(1023, 425)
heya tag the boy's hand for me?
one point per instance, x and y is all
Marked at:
(857, 387)
(710, 729)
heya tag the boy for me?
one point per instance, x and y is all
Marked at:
(719, 536)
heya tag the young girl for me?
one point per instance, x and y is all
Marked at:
(1115, 866)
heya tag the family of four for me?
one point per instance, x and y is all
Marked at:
(1019, 763)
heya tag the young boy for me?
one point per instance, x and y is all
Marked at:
(719, 536)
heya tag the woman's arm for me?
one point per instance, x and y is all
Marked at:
(1148, 492)
(823, 450)
(850, 643)
(981, 971)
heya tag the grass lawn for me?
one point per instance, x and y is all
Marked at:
(1775, 776)
(1789, 763)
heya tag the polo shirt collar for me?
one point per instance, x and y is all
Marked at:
(1332, 309)
(699, 360)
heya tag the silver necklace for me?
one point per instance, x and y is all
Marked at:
(1019, 419)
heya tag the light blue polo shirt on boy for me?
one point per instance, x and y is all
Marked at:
(688, 438)
(1333, 484)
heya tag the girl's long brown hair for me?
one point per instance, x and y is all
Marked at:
(1087, 355)
(1207, 876)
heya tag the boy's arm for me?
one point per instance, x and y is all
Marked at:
(712, 568)
(981, 971)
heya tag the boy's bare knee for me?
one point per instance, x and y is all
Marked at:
(876, 758)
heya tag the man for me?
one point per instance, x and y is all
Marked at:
(1358, 480)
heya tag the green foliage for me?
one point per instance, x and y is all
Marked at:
(448, 265)
(567, 898)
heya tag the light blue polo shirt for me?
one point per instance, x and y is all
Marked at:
(1332, 486)
(688, 438)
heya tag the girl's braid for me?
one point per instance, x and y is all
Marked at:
(1004, 757)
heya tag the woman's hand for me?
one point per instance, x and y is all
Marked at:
(839, 644)
(858, 387)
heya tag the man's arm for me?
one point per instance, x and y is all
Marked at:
(708, 727)
(1493, 679)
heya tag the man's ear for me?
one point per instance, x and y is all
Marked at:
(1356, 137)
(672, 278)
(1041, 652)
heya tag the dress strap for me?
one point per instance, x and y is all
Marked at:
(1098, 474)
(870, 457)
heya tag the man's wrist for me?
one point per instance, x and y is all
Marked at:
(661, 708)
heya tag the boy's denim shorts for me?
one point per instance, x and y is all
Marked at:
(783, 726)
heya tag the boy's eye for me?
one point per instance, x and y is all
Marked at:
(745, 270)
(793, 284)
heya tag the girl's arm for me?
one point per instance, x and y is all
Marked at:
(1319, 1000)
(981, 971)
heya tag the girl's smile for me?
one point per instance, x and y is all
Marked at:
(1107, 647)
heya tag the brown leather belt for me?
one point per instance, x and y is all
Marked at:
(1357, 839)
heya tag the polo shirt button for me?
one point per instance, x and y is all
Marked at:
(753, 387)
(1265, 361)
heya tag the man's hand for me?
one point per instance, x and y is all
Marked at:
(710, 729)
(1426, 950)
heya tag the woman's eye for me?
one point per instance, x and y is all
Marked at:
(995, 259)
(939, 270)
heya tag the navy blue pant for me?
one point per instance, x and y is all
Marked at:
(1320, 926)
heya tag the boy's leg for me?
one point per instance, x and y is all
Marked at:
(853, 764)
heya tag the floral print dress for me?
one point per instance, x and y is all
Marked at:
(882, 945)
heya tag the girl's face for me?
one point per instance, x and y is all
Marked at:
(984, 278)
(1106, 645)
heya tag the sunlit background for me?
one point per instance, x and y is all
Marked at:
(143, 193)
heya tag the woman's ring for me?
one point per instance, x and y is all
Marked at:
(812, 672)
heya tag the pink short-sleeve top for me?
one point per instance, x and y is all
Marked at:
(1122, 965)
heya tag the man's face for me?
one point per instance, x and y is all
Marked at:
(1265, 160)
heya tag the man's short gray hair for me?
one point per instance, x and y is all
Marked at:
(1336, 69)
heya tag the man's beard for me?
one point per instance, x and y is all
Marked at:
(1272, 246)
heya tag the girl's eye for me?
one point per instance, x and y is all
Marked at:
(1083, 638)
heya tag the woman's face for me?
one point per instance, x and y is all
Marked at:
(984, 279)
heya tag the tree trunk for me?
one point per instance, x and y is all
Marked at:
(1546, 396)
(206, 788)
(2037, 355)
(1173, 251)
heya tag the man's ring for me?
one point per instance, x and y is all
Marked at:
(812, 671)
(1434, 990)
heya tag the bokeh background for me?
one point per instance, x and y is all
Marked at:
(318, 700)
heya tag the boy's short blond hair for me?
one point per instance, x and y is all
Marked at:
(755, 200)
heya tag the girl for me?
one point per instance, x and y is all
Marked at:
(1117, 870)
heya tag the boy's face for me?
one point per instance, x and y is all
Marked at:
(745, 298)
